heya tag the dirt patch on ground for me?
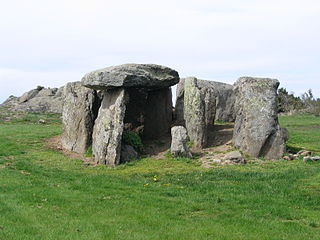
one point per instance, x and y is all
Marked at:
(219, 142)
(55, 143)
(157, 148)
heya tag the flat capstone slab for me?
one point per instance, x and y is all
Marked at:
(149, 76)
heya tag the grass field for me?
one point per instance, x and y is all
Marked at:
(304, 132)
(46, 195)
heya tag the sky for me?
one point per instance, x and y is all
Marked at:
(50, 43)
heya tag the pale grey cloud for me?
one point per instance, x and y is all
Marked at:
(53, 42)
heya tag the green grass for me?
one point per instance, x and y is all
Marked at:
(304, 132)
(46, 195)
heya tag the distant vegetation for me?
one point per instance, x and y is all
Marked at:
(306, 103)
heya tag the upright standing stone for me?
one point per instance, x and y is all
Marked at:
(108, 128)
(223, 97)
(257, 131)
(179, 141)
(199, 112)
(179, 107)
(79, 112)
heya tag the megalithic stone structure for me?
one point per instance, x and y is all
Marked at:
(137, 96)
(79, 112)
(257, 130)
(224, 98)
(199, 111)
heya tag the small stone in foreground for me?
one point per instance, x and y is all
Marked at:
(317, 158)
(179, 146)
(42, 121)
(127, 153)
(235, 156)
(304, 153)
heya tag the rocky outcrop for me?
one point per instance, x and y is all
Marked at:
(29, 95)
(108, 128)
(179, 147)
(257, 131)
(79, 113)
(37, 100)
(132, 75)
(199, 112)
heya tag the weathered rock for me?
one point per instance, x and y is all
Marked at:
(235, 156)
(10, 101)
(28, 95)
(257, 131)
(224, 102)
(127, 153)
(291, 157)
(42, 121)
(108, 128)
(287, 158)
(132, 75)
(136, 96)
(179, 141)
(304, 153)
(179, 107)
(316, 158)
(199, 112)
(47, 92)
(37, 100)
(79, 113)
(223, 96)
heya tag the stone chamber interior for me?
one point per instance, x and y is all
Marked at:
(149, 113)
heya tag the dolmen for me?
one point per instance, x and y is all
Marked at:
(133, 97)
(109, 103)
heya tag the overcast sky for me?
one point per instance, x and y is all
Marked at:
(50, 43)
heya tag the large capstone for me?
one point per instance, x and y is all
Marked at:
(132, 75)
(79, 113)
(223, 96)
(257, 131)
(199, 112)
(108, 128)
